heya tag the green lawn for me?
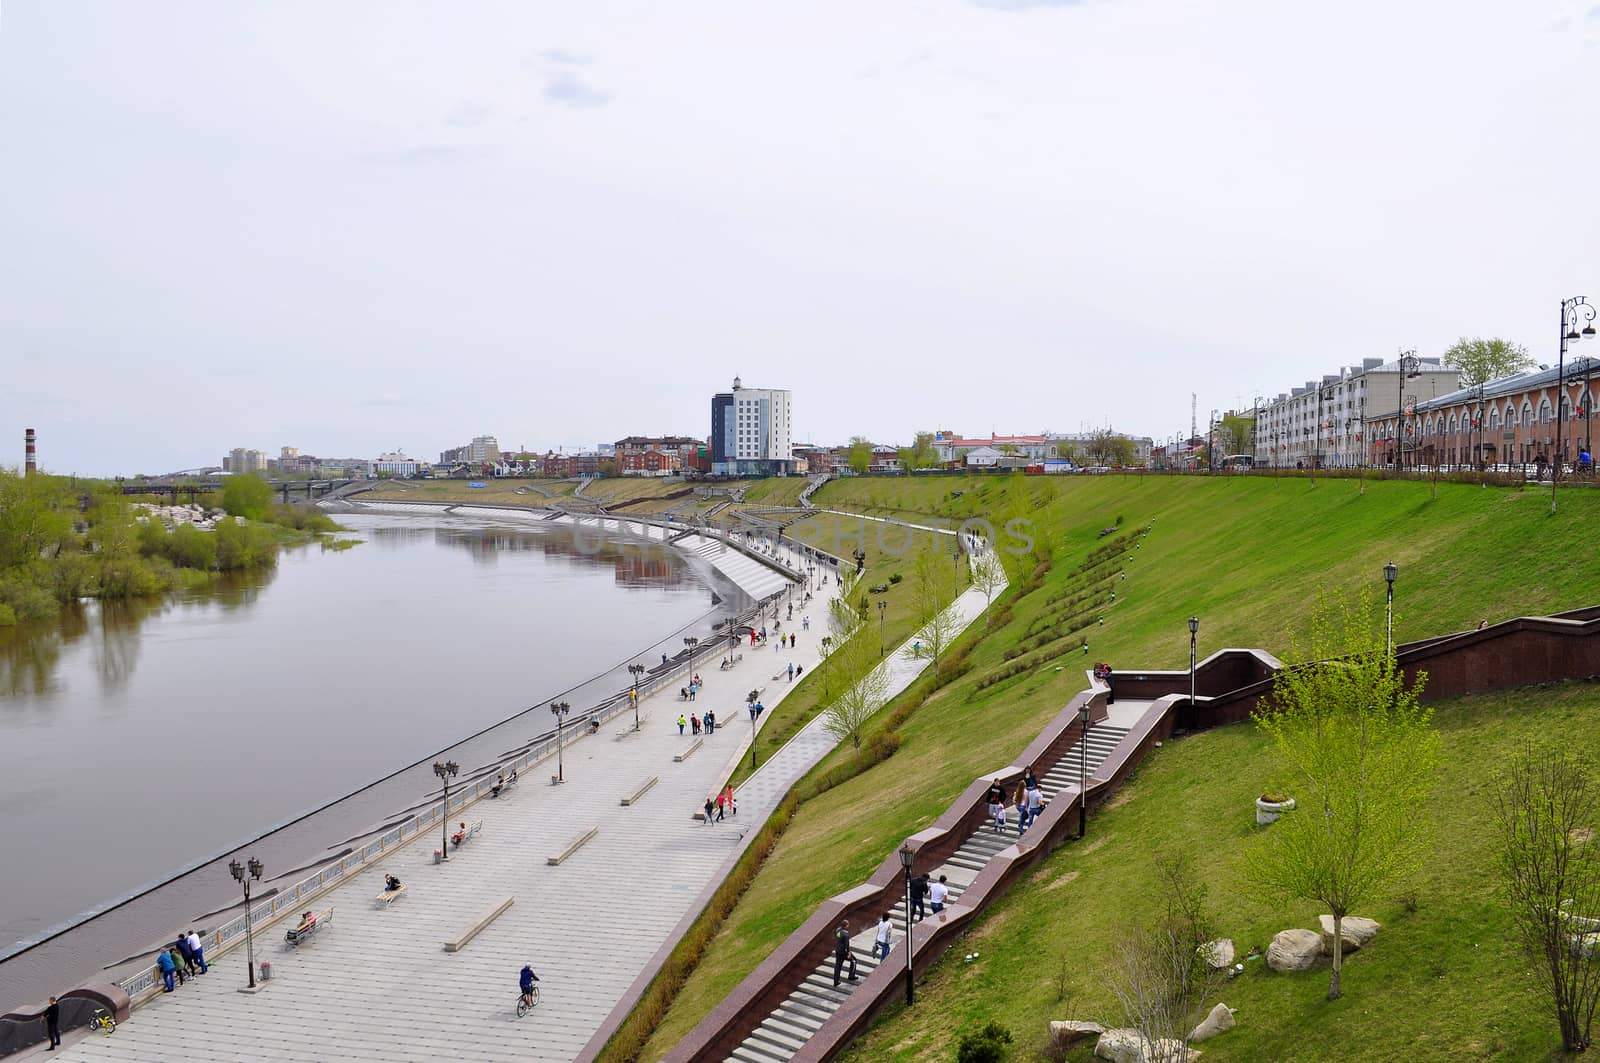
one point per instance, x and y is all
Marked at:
(1443, 982)
(1245, 554)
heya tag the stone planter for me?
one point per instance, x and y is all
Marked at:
(1269, 811)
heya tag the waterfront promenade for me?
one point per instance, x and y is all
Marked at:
(377, 984)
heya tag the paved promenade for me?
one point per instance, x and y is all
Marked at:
(377, 984)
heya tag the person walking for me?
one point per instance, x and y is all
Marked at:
(722, 801)
(168, 970)
(682, 722)
(841, 952)
(1111, 686)
(1020, 799)
(1029, 778)
(711, 809)
(199, 951)
(52, 1024)
(695, 723)
(798, 669)
(1035, 799)
(880, 944)
(937, 894)
(919, 892)
(733, 809)
(791, 671)
(996, 798)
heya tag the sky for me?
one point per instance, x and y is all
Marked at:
(356, 227)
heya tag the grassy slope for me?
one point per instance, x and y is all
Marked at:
(1244, 553)
(1443, 981)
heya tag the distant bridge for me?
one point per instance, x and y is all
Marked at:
(306, 489)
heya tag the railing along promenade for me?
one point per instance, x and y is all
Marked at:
(1229, 686)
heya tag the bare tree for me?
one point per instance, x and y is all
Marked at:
(987, 575)
(1549, 811)
(934, 588)
(1162, 973)
(864, 688)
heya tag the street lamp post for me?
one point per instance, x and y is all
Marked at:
(244, 874)
(1083, 769)
(1575, 311)
(883, 607)
(1194, 629)
(446, 771)
(906, 857)
(636, 670)
(559, 710)
(690, 642)
(1390, 572)
(750, 700)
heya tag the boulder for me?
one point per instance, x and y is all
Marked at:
(1218, 954)
(1127, 1046)
(1294, 950)
(1071, 1031)
(1218, 1021)
(1355, 930)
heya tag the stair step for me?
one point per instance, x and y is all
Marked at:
(747, 1053)
(771, 1033)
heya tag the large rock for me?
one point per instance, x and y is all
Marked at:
(1127, 1046)
(1355, 930)
(1218, 954)
(1294, 950)
(1219, 1021)
(1071, 1031)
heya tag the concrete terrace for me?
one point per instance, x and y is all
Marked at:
(377, 984)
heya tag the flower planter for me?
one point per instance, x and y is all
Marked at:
(1269, 811)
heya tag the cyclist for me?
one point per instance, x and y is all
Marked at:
(526, 981)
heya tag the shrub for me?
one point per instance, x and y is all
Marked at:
(8, 616)
(895, 577)
(987, 1045)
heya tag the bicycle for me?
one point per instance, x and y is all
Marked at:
(103, 1022)
(527, 1001)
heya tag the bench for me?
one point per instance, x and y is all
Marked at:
(388, 897)
(573, 846)
(500, 788)
(633, 798)
(299, 934)
(478, 925)
(458, 837)
(688, 751)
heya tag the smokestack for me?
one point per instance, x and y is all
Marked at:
(31, 464)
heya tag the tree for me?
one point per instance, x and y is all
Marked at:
(246, 495)
(1235, 434)
(1360, 754)
(1549, 815)
(1067, 451)
(925, 454)
(1481, 360)
(1105, 447)
(1162, 974)
(987, 574)
(933, 589)
(34, 518)
(864, 687)
(859, 455)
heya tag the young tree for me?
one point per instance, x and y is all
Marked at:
(1067, 451)
(35, 517)
(864, 687)
(859, 455)
(1549, 813)
(246, 495)
(1360, 754)
(933, 589)
(1234, 433)
(987, 574)
(1162, 973)
(1481, 360)
(926, 455)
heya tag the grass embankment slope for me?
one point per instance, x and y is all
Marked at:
(1245, 554)
(1442, 982)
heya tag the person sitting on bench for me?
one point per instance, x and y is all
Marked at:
(390, 883)
(499, 784)
(594, 726)
(461, 835)
(307, 921)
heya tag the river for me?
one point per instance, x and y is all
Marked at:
(145, 739)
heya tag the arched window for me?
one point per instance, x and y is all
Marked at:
(1494, 417)
(1544, 411)
(1527, 413)
(1452, 424)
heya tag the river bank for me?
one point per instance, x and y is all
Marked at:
(430, 639)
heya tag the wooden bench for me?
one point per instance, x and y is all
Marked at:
(459, 837)
(633, 798)
(299, 934)
(388, 897)
(478, 925)
(500, 788)
(688, 751)
(573, 846)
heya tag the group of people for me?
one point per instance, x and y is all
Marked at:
(705, 723)
(1027, 798)
(687, 693)
(1102, 674)
(178, 961)
(721, 806)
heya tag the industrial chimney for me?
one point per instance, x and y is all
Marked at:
(31, 464)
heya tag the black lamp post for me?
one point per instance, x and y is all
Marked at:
(636, 670)
(883, 607)
(733, 633)
(445, 771)
(1083, 769)
(906, 857)
(244, 874)
(750, 700)
(1390, 572)
(1194, 629)
(1575, 311)
(690, 642)
(559, 710)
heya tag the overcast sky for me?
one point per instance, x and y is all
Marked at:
(350, 227)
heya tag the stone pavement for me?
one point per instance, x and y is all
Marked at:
(377, 985)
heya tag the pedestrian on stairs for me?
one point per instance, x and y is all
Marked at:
(937, 894)
(880, 945)
(1020, 799)
(919, 891)
(841, 952)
